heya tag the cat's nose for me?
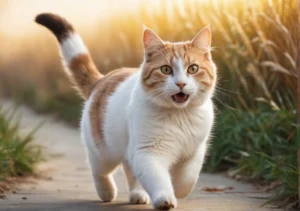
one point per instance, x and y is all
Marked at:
(181, 85)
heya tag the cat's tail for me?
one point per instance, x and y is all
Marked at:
(79, 64)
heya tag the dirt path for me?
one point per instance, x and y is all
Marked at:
(70, 185)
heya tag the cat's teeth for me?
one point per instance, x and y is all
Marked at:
(180, 97)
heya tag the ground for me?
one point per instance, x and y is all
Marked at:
(68, 184)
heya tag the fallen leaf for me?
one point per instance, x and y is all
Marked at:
(216, 189)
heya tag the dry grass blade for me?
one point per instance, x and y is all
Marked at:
(243, 35)
(291, 60)
(276, 67)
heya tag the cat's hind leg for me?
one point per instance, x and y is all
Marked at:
(137, 194)
(102, 167)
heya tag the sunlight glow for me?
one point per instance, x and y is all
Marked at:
(17, 16)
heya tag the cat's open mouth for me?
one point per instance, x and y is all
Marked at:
(180, 97)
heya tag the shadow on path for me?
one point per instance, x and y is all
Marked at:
(78, 205)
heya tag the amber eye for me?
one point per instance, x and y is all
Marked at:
(167, 70)
(193, 69)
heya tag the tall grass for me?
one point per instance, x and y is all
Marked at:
(255, 51)
(258, 146)
(18, 154)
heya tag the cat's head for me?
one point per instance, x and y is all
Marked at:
(178, 74)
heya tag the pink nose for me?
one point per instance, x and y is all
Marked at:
(181, 85)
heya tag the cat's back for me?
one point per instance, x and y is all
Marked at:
(98, 104)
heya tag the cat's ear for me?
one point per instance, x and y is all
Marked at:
(151, 40)
(203, 38)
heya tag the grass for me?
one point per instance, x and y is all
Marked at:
(254, 49)
(242, 134)
(18, 155)
(258, 146)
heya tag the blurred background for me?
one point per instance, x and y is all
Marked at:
(254, 42)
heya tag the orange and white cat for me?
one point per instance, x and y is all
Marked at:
(154, 120)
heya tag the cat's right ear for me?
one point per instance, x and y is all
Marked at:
(151, 40)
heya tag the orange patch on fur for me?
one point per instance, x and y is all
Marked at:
(207, 74)
(102, 90)
(84, 74)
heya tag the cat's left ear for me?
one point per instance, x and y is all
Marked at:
(203, 38)
(151, 40)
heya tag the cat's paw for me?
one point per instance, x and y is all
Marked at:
(139, 197)
(164, 201)
(107, 196)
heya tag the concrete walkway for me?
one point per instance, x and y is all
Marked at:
(69, 186)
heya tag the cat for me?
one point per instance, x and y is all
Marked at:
(155, 120)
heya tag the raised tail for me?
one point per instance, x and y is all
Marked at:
(80, 65)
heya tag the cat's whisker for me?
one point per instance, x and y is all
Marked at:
(218, 91)
(229, 108)
(219, 110)
(220, 101)
(219, 88)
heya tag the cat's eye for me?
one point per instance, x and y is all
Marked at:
(193, 69)
(167, 70)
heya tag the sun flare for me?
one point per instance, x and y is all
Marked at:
(17, 16)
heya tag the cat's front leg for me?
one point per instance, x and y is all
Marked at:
(185, 173)
(137, 193)
(151, 169)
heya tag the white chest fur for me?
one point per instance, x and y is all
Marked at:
(176, 133)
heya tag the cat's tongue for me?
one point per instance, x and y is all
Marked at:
(180, 97)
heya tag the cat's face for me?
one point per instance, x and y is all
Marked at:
(178, 74)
